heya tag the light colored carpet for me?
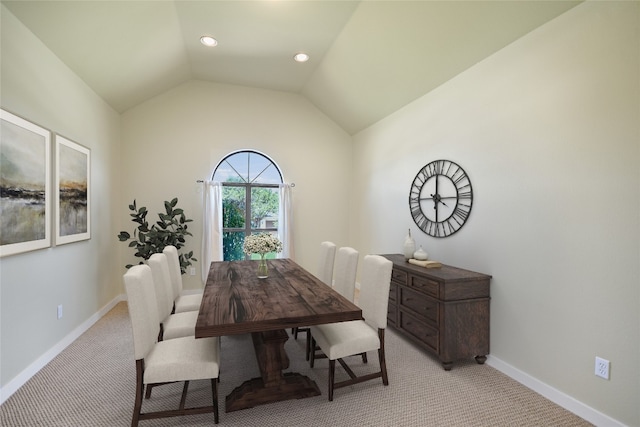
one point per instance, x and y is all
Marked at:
(91, 383)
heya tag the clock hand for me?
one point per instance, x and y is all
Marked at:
(437, 198)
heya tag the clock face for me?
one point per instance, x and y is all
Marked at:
(440, 198)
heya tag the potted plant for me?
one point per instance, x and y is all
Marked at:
(170, 229)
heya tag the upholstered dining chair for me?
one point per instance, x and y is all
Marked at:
(344, 274)
(344, 282)
(158, 362)
(326, 261)
(324, 273)
(342, 339)
(171, 325)
(182, 301)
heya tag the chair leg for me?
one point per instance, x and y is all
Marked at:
(147, 393)
(183, 398)
(214, 392)
(332, 373)
(312, 355)
(381, 358)
(137, 407)
(308, 352)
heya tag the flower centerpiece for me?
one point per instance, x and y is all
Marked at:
(262, 244)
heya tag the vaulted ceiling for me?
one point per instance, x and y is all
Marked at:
(368, 58)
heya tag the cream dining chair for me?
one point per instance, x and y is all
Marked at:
(344, 274)
(324, 273)
(326, 261)
(158, 362)
(171, 325)
(344, 282)
(181, 300)
(342, 339)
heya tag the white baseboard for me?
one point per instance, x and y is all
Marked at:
(24, 376)
(567, 402)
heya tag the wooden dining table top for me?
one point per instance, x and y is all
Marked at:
(236, 301)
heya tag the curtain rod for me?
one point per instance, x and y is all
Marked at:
(200, 181)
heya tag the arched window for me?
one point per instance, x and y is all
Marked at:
(250, 199)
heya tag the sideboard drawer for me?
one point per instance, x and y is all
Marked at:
(393, 292)
(391, 314)
(421, 304)
(399, 276)
(419, 330)
(425, 285)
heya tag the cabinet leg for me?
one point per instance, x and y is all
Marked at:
(481, 359)
(447, 365)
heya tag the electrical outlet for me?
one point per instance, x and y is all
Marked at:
(192, 271)
(602, 368)
(60, 311)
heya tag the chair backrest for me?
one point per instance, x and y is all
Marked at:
(143, 309)
(174, 269)
(162, 283)
(374, 290)
(344, 275)
(325, 264)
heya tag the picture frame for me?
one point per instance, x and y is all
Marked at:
(72, 191)
(25, 185)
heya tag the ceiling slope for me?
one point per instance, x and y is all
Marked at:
(368, 58)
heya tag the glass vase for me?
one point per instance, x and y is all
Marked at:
(263, 270)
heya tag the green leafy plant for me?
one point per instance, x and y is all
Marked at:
(170, 229)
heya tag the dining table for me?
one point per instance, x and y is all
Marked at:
(235, 301)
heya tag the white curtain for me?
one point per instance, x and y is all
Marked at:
(212, 226)
(285, 222)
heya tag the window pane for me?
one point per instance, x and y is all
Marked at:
(238, 164)
(233, 207)
(264, 207)
(232, 246)
(262, 171)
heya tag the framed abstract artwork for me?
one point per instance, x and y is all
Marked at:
(25, 182)
(72, 191)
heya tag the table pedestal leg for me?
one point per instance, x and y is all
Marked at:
(273, 385)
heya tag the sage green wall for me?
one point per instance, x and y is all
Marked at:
(36, 85)
(175, 139)
(548, 129)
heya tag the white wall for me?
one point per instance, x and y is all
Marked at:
(81, 276)
(548, 129)
(175, 139)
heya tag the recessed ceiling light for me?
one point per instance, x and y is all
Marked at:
(301, 57)
(208, 41)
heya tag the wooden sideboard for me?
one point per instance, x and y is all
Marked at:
(444, 310)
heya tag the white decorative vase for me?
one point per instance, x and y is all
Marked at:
(409, 246)
(420, 254)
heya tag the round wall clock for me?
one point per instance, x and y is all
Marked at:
(440, 198)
